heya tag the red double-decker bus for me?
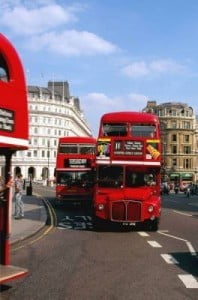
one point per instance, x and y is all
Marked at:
(14, 136)
(128, 161)
(75, 169)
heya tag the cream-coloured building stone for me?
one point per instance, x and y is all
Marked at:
(179, 132)
(53, 113)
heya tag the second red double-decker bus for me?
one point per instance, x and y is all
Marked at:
(128, 162)
(75, 169)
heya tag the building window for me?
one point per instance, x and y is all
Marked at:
(35, 153)
(174, 125)
(29, 154)
(186, 138)
(186, 125)
(35, 141)
(174, 162)
(174, 149)
(187, 149)
(187, 163)
(43, 153)
(174, 138)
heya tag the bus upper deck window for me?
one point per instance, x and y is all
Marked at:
(143, 130)
(87, 149)
(4, 74)
(116, 129)
(68, 149)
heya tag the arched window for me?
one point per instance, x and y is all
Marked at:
(4, 74)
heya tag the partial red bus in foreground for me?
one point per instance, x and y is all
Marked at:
(75, 169)
(128, 161)
(13, 137)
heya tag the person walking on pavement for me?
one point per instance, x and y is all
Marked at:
(19, 205)
(3, 187)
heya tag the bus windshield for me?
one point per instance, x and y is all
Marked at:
(113, 176)
(76, 178)
(137, 178)
(110, 176)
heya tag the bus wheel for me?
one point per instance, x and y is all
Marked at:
(98, 224)
(152, 225)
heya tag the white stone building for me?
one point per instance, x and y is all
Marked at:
(53, 113)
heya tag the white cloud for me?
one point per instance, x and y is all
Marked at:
(24, 21)
(136, 69)
(96, 104)
(165, 65)
(156, 67)
(71, 42)
(42, 26)
(138, 99)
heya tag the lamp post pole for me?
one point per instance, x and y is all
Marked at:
(48, 156)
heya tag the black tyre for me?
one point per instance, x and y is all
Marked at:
(152, 225)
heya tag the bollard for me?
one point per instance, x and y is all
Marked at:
(29, 191)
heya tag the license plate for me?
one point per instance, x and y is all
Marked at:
(129, 224)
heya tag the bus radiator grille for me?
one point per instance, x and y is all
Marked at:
(126, 211)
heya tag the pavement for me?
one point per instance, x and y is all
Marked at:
(35, 217)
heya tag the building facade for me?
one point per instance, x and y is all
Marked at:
(53, 113)
(179, 131)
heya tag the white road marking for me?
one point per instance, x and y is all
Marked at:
(181, 213)
(142, 233)
(191, 249)
(189, 281)
(169, 259)
(63, 228)
(75, 222)
(189, 245)
(154, 244)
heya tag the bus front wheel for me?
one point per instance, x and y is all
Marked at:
(152, 225)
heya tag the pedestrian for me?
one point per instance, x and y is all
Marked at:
(19, 205)
(188, 191)
(3, 188)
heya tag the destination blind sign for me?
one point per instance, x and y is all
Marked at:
(76, 162)
(6, 120)
(128, 148)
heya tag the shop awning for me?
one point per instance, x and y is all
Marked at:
(185, 176)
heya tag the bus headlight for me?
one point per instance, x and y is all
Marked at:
(101, 206)
(150, 208)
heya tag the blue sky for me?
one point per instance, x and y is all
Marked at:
(115, 54)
